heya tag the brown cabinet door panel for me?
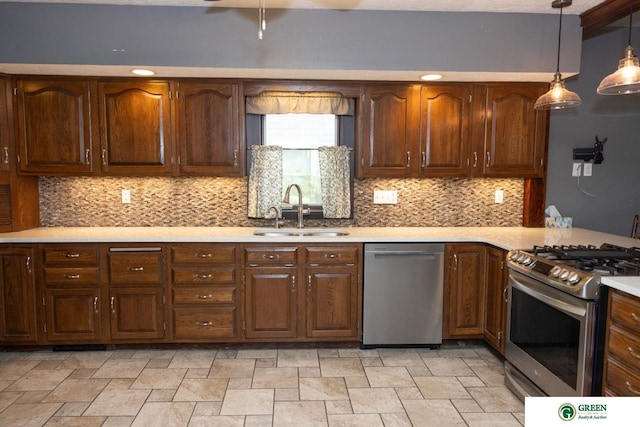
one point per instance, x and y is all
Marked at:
(332, 296)
(389, 128)
(496, 305)
(72, 315)
(209, 126)
(135, 127)
(271, 308)
(445, 114)
(54, 126)
(136, 314)
(467, 278)
(17, 296)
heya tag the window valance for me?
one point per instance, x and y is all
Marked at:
(300, 103)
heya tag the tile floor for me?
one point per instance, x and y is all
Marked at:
(451, 386)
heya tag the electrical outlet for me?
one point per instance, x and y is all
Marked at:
(126, 196)
(577, 169)
(587, 169)
(385, 197)
(499, 197)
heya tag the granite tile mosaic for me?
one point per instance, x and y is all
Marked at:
(222, 202)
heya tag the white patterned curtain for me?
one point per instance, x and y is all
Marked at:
(335, 182)
(265, 180)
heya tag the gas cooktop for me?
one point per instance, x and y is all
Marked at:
(576, 270)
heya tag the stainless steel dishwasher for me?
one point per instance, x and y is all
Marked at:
(403, 285)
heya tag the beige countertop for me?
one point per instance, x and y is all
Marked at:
(503, 237)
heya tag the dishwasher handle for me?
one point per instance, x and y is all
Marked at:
(402, 254)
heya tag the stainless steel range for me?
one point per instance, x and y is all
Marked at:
(555, 319)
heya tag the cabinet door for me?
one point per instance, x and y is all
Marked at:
(137, 313)
(389, 131)
(54, 126)
(495, 296)
(17, 299)
(271, 302)
(332, 302)
(72, 315)
(467, 277)
(135, 130)
(445, 113)
(515, 134)
(209, 124)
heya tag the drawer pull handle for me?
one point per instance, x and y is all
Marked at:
(635, 317)
(71, 276)
(266, 256)
(631, 389)
(71, 255)
(633, 353)
(136, 269)
(204, 276)
(293, 283)
(204, 323)
(309, 283)
(5, 158)
(203, 255)
(87, 157)
(505, 295)
(112, 303)
(205, 296)
(332, 256)
(95, 304)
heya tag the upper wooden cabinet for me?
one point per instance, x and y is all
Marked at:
(53, 126)
(389, 131)
(209, 125)
(510, 136)
(452, 130)
(445, 114)
(135, 127)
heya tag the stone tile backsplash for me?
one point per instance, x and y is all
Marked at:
(222, 202)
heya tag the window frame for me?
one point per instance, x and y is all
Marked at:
(346, 136)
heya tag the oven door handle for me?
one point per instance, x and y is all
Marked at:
(530, 287)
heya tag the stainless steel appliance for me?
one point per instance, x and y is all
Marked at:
(554, 318)
(403, 285)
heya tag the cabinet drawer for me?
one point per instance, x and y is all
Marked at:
(626, 347)
(135, 267)
(332, 255)
(205, 295)
(620, 381)
(625, 310)
(194, 276)
(204, 324)
(203, 254)
(271, 255)
(71, 255)
(72, 276)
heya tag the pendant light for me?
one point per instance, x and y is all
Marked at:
(627, 78)
(558, 96)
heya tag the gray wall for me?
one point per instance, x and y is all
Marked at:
(615, 182)
(295, 39)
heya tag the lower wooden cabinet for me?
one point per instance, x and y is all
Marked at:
(495, 296)
(72, 315)
(18, 321)
(465, 276)
(137, 314)
(621, 376)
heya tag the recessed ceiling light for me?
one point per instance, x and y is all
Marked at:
(430, 77)
(142, 72)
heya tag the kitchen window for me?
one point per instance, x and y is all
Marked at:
(300, 134)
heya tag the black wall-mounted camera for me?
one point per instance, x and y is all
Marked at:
(588, 154)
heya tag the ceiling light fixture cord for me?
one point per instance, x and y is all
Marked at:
(559, 40)
(262, 19)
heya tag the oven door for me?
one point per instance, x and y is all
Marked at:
(550, 336)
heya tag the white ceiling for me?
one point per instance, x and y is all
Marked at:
(504, 6)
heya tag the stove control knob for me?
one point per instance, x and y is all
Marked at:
(514, 256)
(564, 274)
(573, 278)
(555, 271)
(521, 258)
(527, 260)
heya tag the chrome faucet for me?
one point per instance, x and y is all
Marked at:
(273, 208)
(301, 210)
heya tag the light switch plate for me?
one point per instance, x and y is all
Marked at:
(126, 196)
(587, 169)
(385, 197)
(576, 170)
(499, 196)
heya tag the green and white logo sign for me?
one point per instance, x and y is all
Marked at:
(567, 412)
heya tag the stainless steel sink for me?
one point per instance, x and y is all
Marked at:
(300, 232)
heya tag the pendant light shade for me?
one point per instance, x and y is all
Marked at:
(627, 78)
(558, 97)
